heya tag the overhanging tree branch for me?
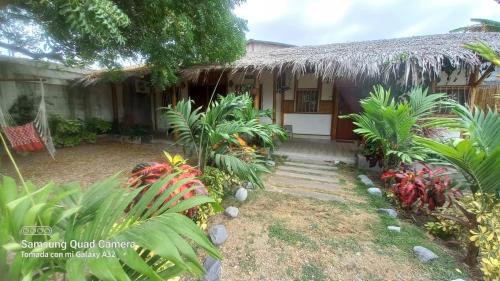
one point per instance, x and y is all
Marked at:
(26, 52)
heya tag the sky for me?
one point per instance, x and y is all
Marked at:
(313, 22)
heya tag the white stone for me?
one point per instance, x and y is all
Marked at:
(424, 254)
(241, 195)
(394, 228)
(365, 180)
(389, 212)
(231, 212)
(218, 234)
(375, 191)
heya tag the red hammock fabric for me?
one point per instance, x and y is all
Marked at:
(24, 138)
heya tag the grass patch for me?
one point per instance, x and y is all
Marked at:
(248, 262)
(312, 272)
(279, 231)
(444, 268)
(342, 181)
(349, 244)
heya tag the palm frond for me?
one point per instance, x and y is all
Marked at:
(184, 120)
(162, 236)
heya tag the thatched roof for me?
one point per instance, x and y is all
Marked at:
(113, 75)
(410, 57)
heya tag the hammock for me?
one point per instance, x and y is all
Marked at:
(30, 137)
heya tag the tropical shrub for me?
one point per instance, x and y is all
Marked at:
(388, 126)
(477, 157)
(70, 132)
(215, 136)
(23, 110)
(452, 222)
(443, 228)
(249, 113)
(135, 131)
(158, 239)
(145, 174)
(217, 183)
(98, 126)
(422, 189)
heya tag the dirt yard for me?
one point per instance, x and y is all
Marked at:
(85, 164)
(279, 236)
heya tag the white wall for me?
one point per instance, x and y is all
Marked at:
(61, 95)
(309, 124)
(266, 79)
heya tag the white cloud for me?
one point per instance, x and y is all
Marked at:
(325, 12)
(261, 11)
(308, 22)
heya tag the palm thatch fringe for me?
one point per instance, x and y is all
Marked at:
(410, 58)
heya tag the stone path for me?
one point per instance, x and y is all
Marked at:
(314, 180)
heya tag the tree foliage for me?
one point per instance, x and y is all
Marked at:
(162, 33)
(482, 25)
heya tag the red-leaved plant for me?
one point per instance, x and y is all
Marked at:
(145, 174)
(421, 188)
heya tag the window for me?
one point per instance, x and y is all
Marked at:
(460, 94)
(307, 100)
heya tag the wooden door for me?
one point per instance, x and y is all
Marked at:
(348, 102)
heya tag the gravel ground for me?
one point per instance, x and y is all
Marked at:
(85, 164)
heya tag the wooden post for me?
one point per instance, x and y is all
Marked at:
(320, 91)
(295, 85)
(473, 87)
(174, 104)
(335, 117)
(256, 86)
(475, 80)
(282, 113)
(274, 97)
(114, 102)
(154, 108)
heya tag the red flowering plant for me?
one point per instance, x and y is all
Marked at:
(145, 175)
(421, 188)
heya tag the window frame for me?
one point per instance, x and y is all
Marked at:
(318, 98)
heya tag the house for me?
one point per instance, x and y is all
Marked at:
(308, 88)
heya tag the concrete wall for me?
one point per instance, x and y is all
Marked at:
(62, 97)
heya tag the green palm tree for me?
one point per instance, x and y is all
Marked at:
(391, 125)
(215, 135)
(477, 156)
(106, 211)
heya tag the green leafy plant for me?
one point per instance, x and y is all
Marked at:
(477, 157)
(135, 131)
(215, 135)
(155, 235)
(389, 126)
(98, 126)
(70, 132)
(23, 110)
